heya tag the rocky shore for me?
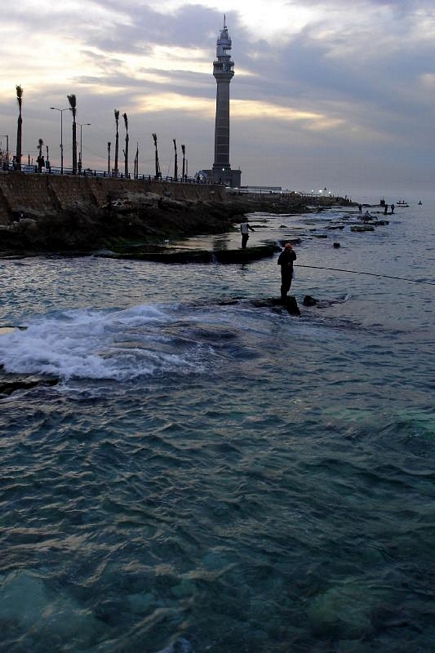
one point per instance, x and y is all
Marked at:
(134, 224)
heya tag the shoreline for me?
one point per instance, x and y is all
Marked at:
(138, 223)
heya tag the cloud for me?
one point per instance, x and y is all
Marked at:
(328, 81)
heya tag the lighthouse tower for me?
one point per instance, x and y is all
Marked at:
(223, 73)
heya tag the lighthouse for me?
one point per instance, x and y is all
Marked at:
(223, 72)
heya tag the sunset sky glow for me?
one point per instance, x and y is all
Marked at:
(324, 94)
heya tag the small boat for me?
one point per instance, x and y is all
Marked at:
(402, 203)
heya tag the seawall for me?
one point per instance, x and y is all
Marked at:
(44, 193)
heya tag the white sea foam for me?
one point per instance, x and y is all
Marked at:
(94, 344)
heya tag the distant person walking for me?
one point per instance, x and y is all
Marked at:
(285, 260)
(245, 228)
(392, 208)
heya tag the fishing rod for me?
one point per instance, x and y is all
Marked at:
(300, 265)
(370, 274)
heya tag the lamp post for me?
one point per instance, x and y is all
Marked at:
(85, 124)
(7, 148)
(61, 135)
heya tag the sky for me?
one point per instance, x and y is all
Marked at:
(326, 94)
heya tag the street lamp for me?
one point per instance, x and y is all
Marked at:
(7, 148)
(85, 124)
(61, 135)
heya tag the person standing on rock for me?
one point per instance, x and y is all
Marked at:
(285, 260)
(245, 228)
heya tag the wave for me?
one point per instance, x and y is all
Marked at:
(98, 344)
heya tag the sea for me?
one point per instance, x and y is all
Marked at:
(211, 474)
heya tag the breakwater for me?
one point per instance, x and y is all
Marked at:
(48, 194)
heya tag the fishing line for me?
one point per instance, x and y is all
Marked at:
(370, 274)
(299, 265)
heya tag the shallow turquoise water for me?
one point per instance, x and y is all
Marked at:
(212, 469)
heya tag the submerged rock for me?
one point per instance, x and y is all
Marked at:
(292, 241)
(290, 304)
(224, 256)
(181, 645)
(322, 303)
(44, 618)
(8, 386)
(309, 301)
(343, 611)
(361, 228)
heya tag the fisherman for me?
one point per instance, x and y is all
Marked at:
(245, 228)
(285, 260)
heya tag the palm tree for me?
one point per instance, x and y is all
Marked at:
(124, 115)
(40, 157)
(116, 112)
(73, 108)
(175, 160)
(19, 126)
(136, 162)
(158, 173)
(183, 175)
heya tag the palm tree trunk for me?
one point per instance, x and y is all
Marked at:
(73, 106)
(136, 162)
(74, 140)
(175, 161)
(126, 145)
(19, 127)
(116, 141)
(157, 162)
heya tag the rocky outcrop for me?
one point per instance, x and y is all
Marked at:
(290, 305)
(79, 215)
(124, 222)
(49, 194)
(116, 225)
(164, 254)
(13, 383)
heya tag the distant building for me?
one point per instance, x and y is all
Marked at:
(223, 73)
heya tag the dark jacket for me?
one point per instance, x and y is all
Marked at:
(285, 260)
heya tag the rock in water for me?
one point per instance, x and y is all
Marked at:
(291, 305)
(309, 301)
(181, 645)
